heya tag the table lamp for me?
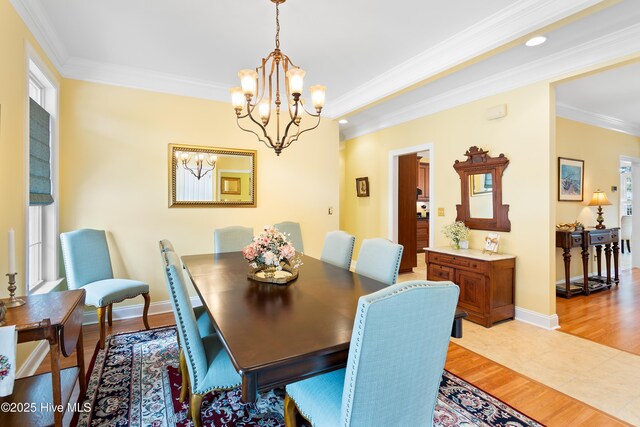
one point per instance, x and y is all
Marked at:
(599, 199)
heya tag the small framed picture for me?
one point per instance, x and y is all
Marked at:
(570, 180)
(491, 243)
(362, 187)
(230, 185)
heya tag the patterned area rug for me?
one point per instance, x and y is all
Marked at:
(135, 382)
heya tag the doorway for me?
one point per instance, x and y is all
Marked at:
(411, 193)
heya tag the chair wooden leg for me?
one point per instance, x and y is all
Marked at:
(185, 377)
(147, 301)
(196, 406)
(189, 415)
(100, 312)
(110, 314)
(629, 245)
(290, 412)
(622, 246)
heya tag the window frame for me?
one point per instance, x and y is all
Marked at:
(39, 76)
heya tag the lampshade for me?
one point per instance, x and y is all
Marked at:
(599, 199)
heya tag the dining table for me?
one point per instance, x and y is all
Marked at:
(279, 334)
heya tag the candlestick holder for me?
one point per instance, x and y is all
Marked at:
(13, 301)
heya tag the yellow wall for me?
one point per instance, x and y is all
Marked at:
(601, 150)
(525, 136)
(13, 94)
(114, 175)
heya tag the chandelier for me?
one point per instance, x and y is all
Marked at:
(200, 158)
(262, 88)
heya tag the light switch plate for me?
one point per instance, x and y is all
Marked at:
(440, 211)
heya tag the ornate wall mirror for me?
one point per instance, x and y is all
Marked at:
(211, 177)
(481, 185)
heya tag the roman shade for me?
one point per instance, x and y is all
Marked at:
(39, 155)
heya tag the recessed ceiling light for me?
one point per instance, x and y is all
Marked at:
(536, 41)
(343, 121)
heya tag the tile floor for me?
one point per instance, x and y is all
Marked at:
(601, 376)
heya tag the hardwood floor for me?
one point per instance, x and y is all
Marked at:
(534, 399)
(609, 317)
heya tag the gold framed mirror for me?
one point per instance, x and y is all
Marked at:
(201, 176)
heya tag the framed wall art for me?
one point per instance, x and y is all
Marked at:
(362, 187)
(570, 180)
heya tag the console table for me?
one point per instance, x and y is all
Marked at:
(607, 237)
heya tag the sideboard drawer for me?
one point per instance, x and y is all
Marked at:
(438, 273)
(600, 238)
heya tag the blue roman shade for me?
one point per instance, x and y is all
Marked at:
(39, 155)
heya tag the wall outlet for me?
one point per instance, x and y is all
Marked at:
(330, 210)
(440, 211)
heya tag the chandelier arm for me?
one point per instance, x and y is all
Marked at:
(264, 131)
(295, 137)
(310, 113)
(267, 144)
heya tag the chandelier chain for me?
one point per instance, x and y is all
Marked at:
(277, 26)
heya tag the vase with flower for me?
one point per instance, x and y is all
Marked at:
(458, 233)
(272, 257)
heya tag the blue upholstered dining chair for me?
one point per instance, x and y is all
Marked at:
(88, 266)
(231, 239)
(379, 259)
(396, 358)
(338, 248)
(294, 232)
(208, 363)
(205, 325)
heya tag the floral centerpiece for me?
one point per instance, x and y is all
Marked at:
(271, 251)
(457, 233)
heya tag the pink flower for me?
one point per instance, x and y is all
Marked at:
(249, 252)
(288, 251)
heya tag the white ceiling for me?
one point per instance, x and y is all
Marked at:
(363, 50)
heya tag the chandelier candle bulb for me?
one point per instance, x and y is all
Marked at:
(318, 96)
(296, 80)
(237, 99)
(249, 82)
(264, 109)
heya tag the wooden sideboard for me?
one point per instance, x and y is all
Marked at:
(486, 281)
(422, 234)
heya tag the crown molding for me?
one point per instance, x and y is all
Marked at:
(607, 48)
(137, 78)
(36, 19)
(512, 22)
(595, 119)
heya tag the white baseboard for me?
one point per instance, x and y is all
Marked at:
(534, 318)
(135, 310)
(34, 360)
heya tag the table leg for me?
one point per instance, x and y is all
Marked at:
(54, 352)
(566, 255)
(82, 380)
(585, 269)
(598, 258)
(616, 277)
(249, 388)
(607, 252)
(456, 330)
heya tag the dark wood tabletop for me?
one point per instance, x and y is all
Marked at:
(278, 334)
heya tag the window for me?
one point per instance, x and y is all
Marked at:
(626, 193)
(42, 211)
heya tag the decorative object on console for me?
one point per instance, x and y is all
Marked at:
(362, 187)
(272, 257)
(491, 243)
(458, 233)
(481, 205)
(3, 312)
(570, 180)
(599, 199)
(574, 226)
(241, 97)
